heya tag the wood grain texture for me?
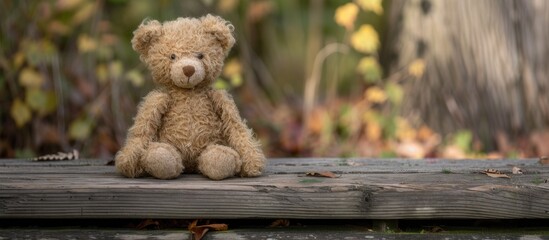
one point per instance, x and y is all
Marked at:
(365, 189)
(253, 234)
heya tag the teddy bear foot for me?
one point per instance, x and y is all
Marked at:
(162, 161)
(218, 162)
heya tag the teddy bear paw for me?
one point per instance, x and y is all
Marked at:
(162, 161)
(219, 162)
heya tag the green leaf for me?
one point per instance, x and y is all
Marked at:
(135, 77)
(370, 69)
(236, 80)
(220, 84)
(463, 139)
(388, 154)
(24, 153)
(39, 52)
(20, 113)
(43, 102)
(80, 129)
(394, 92)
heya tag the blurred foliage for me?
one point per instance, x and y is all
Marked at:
(69, 78)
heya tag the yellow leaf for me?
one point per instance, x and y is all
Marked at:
(80, 129)
(371, 5)
(416, 68)
(366, 39)
(86, 43)
(115, 69)
(375, 95)
(83, 13)
(346, 15)
(227, 6)
(20, 113)
(102, 73)
(18, 59)
(30, 78)
(372, 119)
(404, 131)
(233, 67)
(369, 67)
(135, 77)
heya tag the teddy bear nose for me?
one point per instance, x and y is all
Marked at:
(188, 70)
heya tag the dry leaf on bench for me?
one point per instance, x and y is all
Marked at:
(199, 231)
(147, 223)
(495, 173)
(517, 170)
(280, 223)
(326, 174)
(59, 156)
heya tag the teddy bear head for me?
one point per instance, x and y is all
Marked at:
(186, 52)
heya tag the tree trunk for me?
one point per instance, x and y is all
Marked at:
(486, 64)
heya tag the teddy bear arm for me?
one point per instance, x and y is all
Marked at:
(238, 135)
(144, 130)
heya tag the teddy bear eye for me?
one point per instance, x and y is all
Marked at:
(199, 55)
(172, 57)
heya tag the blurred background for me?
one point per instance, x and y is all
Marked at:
(363, 78)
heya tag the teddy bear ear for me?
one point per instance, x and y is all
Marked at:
(221, 29)
(145, 36)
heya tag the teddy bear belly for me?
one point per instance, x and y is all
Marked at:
(191, 135)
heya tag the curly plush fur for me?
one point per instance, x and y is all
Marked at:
(185, 124)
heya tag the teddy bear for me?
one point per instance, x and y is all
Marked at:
(185, 124)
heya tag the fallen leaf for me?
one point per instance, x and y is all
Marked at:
(436, 229)
(60, 156)
(495, 173)
(199, 231)
(326, 174)
(411, 149)
(517, 170)
(148, 223)
(453, 152)
(280, 223)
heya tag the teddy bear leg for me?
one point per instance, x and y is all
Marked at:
(162, 161)
(218, 162)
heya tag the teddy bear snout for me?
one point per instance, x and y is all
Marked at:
(188, 70)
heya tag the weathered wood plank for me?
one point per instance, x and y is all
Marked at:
(257, 234)
(300, 165)
(366, 189)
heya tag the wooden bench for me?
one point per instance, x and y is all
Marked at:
(381, 189)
